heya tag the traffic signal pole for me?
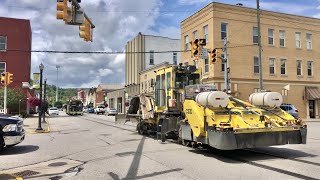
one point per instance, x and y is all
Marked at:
(5, 100)
(226, 66)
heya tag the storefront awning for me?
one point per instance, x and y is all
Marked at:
(313, 93)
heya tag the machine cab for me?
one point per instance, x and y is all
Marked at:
(170, 86)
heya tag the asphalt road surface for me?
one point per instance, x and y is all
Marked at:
(94, 147)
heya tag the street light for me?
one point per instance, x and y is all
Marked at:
(41, 67)
(44, 100)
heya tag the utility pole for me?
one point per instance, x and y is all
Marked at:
(57, 86)
(226, 65)
(260, 48)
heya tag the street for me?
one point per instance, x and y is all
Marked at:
(94, 147)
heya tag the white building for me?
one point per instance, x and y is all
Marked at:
(136, 61)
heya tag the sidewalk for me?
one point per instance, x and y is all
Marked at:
(311, 120)
(30, 125)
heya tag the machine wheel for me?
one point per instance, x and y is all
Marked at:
(163, 137)
(140, 128)
(1, 142)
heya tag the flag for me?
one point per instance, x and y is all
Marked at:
(36, 80)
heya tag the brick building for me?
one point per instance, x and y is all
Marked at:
(290, 56)
(15, 34)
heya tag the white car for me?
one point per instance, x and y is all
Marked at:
(100, 110)
(53, 110)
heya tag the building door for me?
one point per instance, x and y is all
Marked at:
(119, 105)
(312, 108)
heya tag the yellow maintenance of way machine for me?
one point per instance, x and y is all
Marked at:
(195, 114)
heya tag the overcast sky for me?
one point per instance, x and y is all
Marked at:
(117, 21)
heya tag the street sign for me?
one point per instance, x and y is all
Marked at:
(204, 53)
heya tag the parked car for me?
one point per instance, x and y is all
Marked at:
(85, 109)
(53, 110)
(90, 110)
(11, 131)
(111, 111)
(100, 110)
(289, 108)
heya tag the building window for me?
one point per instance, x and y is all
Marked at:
(205, 33)
(224, 30)
(282, 35)
(256, 64)
(271, 66)
(195, 34)
(270, 36)
(222, 64)
(255, 35)
(283, 63)
(310, 68)
(3, 43)
(151, 57)
(2, 67)
(206, 65)
(174, 58)
(309, 42)
(299, 71)
(298, 40)
(186, 42)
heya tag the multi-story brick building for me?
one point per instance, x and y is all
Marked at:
(290, 54)
(15, 34)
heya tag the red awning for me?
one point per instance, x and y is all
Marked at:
(313, 93)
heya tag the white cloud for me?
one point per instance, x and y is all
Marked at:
(116, 21)
(105, 72)
(191, 2)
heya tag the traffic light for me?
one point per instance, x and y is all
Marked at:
(195, 47)
(62, 9)
(3, 79)
(85, 30)
(214, 55)
(9, 78)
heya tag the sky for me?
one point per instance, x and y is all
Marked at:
(117, 22)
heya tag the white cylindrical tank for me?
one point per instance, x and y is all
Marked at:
(266, 99)
(213, 98)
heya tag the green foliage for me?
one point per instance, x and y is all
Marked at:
(13, 98)
(58, 104)
(64, 94)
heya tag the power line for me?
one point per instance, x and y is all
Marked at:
(114, 11)
(91, 52)
(112, 52)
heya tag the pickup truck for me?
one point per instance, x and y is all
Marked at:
(100, 110)
(11, 131)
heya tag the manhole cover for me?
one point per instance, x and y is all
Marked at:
(57, 164)
(26, 173)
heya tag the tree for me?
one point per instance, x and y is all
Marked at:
(14, 98)
(58, 104)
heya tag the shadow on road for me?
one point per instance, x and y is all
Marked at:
(253, 156)
(19, 150)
